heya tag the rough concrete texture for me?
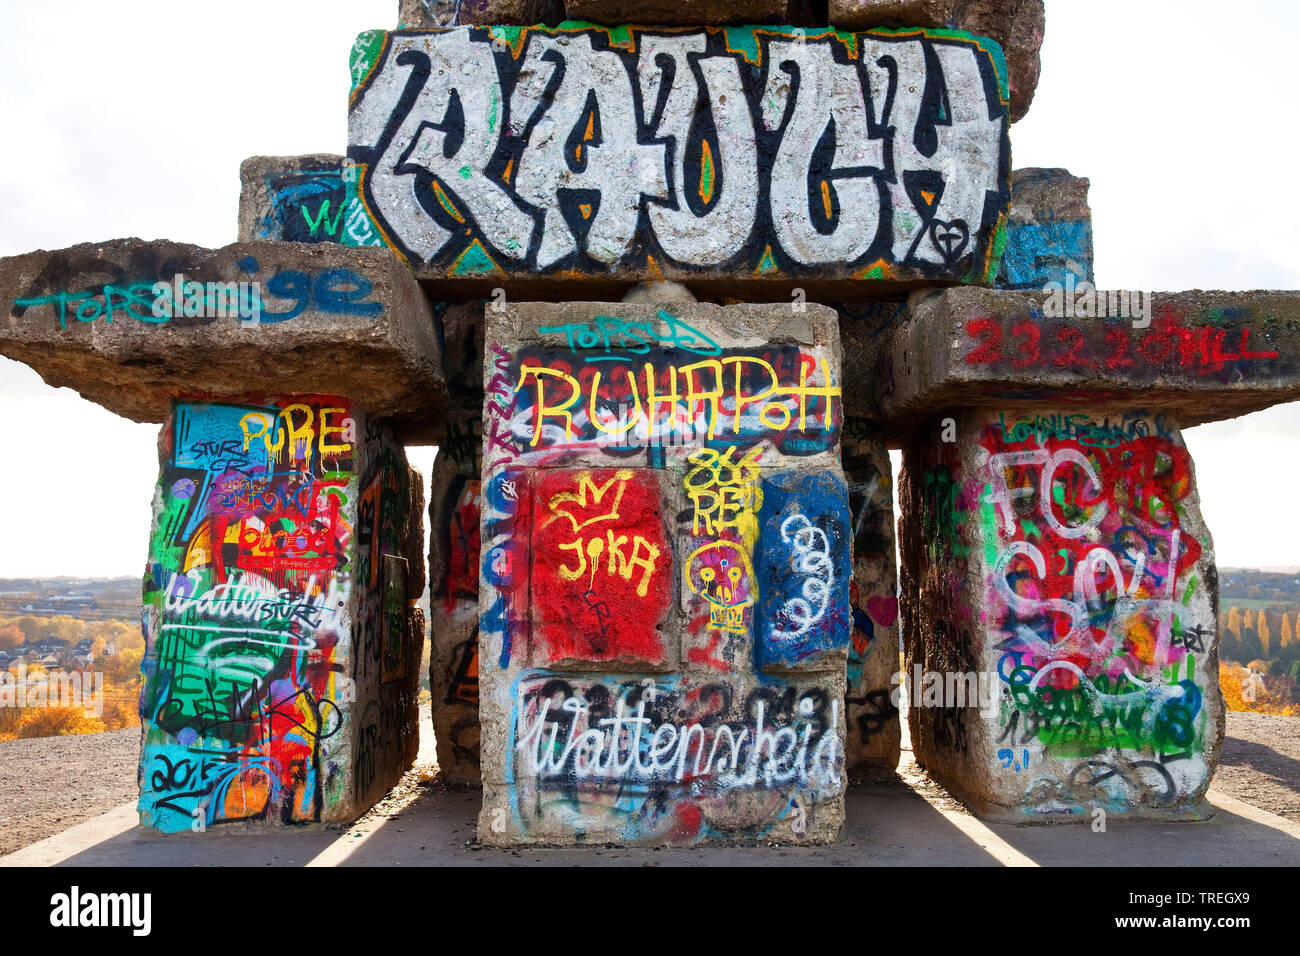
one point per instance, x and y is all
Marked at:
(890, 13)
(676, 12)
(665, 604)
(309, 198)
(283, 644)
(104, 319)
(454, 498)
(866, 335)
(1049, 232)
(1068, 572)
(1016, 25)
(1204, 356)
(874, 731)
(453, 570)
(425, 14)
(659, 292)
(560, 189)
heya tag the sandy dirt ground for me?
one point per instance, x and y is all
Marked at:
(1260, 763)
(48, 784)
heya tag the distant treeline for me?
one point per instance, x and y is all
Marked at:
(1245, 584)
(89, 599)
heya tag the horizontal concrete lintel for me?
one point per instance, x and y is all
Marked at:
(1204, 356)
(130, 325)
(496, 171)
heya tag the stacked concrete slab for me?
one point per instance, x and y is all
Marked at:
(665, 613)
(664, 598)
(1016, 26)
(1053, 543)
(511, 207)
(1049, 231)
(285, 558)
(573, 160)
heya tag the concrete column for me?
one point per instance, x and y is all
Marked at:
(667, 568)
(454, 496)
(874, 730)
(1060, 614)
(286, 555)
(282, 638)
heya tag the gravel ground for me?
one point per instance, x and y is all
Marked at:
(1260, 763)
(50, 784)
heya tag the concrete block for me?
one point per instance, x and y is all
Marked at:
(282, 639)
(1015, 25)
(131, 325)
(425, 14)
(666, 525)
(454, 506)
(874, 730)
(1060, 607)
(687, 13)
(1201, 356)
(489, 178)
(685, 758)
(1049, 232)
(860, 14)
(303, 199)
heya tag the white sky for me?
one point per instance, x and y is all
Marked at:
(131, 119)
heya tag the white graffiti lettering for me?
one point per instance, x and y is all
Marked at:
(808, 152)
(812, 557)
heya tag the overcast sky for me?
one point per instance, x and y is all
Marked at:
(131, 119)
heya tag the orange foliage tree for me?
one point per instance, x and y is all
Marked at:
(1236, 697)
(58, 722)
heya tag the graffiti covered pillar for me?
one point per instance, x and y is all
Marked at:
(454, 497)
(874, 730)
(1060, 597)
(282, 640)
(1063, 654)
(666, 571)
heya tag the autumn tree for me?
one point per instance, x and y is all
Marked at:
(58, 722)
(1259, 699)
(1286, 637)
(68, 629)
(30, 626)
(11, 636)
(124, 666)
(1265, 638)
(1234, 621)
